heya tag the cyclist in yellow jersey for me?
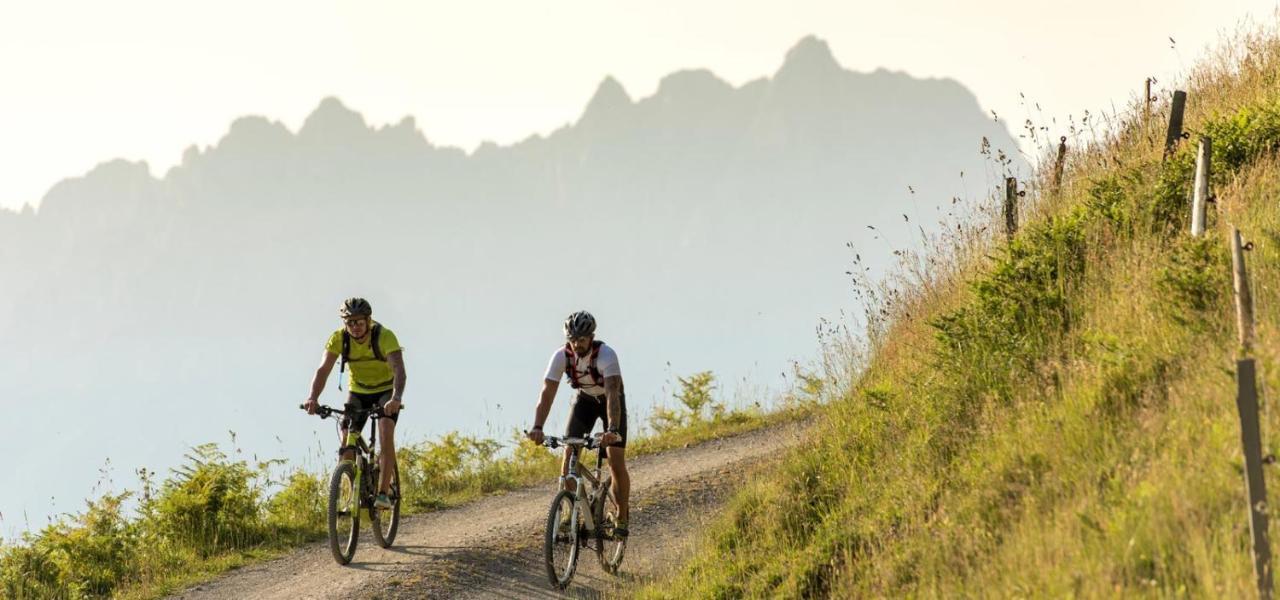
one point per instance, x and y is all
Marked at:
(377, 378)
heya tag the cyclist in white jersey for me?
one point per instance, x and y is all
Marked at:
(591, 367)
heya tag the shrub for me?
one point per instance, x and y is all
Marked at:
(696, 396)
(1193, 279)
(299, 508)
(210, 504)
(85, 556)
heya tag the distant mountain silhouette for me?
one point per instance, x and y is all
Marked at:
(704, 225)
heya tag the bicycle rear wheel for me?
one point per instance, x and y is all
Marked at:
(609, 548)
(344, 512)
(561, 543)
(386, 521)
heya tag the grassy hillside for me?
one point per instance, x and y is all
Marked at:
(1052, 416)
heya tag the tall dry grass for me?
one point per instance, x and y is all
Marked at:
(1052, 416)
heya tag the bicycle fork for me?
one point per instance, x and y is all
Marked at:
(581, 504)
(354, 442)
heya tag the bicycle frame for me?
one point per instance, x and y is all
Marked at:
(586, 524)
(355, 473)
(355, 440)
(364, 453)
(584, 501)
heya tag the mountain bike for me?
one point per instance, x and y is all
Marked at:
(353, 487)
(581, 518)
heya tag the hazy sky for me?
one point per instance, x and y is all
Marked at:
(143, 79)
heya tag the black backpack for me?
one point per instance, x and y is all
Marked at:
(346, 350)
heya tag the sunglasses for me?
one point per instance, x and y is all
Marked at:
(356, 321)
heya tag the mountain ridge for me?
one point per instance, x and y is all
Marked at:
(810, 61)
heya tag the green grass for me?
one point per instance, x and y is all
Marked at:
(217, 513)
(1050, 417)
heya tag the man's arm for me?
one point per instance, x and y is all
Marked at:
(396, 361)
(548, 396)
(613, 393)
(317, 382)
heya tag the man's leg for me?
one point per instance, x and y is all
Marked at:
(581, 419)
(621, 481)
(387, 456)
(564, 469)
(350, 425)
(350, 453)
(617, 457)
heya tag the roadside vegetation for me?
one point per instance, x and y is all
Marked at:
(219, 512)
(1052, 416)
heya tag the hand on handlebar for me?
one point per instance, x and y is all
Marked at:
(311, 405)
(535, 435)
(391, 408)
(318, 409)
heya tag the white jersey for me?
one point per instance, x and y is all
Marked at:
(606, 362)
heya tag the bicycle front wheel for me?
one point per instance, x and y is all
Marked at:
(387, 520)
(561, 544)
(609, 547)
(344, 512)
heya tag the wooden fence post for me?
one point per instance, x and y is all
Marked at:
(1201, 195)
(1010, 207)
(1255, 483)
(1174, 134)
(1250, 431)
(1057, 166)
(1146, 102)
(1240, 284)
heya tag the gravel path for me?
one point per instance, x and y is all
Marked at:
(491, 548)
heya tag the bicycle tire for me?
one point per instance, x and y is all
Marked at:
(563, 501)
(609, 550)
(378, 515)
(344, 479)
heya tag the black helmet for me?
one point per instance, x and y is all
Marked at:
(355, 307)
(579, 324)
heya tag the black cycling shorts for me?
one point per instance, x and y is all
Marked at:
(587, 409)
(364, 402)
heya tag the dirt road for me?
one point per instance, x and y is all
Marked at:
(491, 548)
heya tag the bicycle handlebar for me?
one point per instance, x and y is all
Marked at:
(327, 411)
(590, 443)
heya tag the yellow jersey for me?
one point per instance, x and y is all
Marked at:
(365, 373)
